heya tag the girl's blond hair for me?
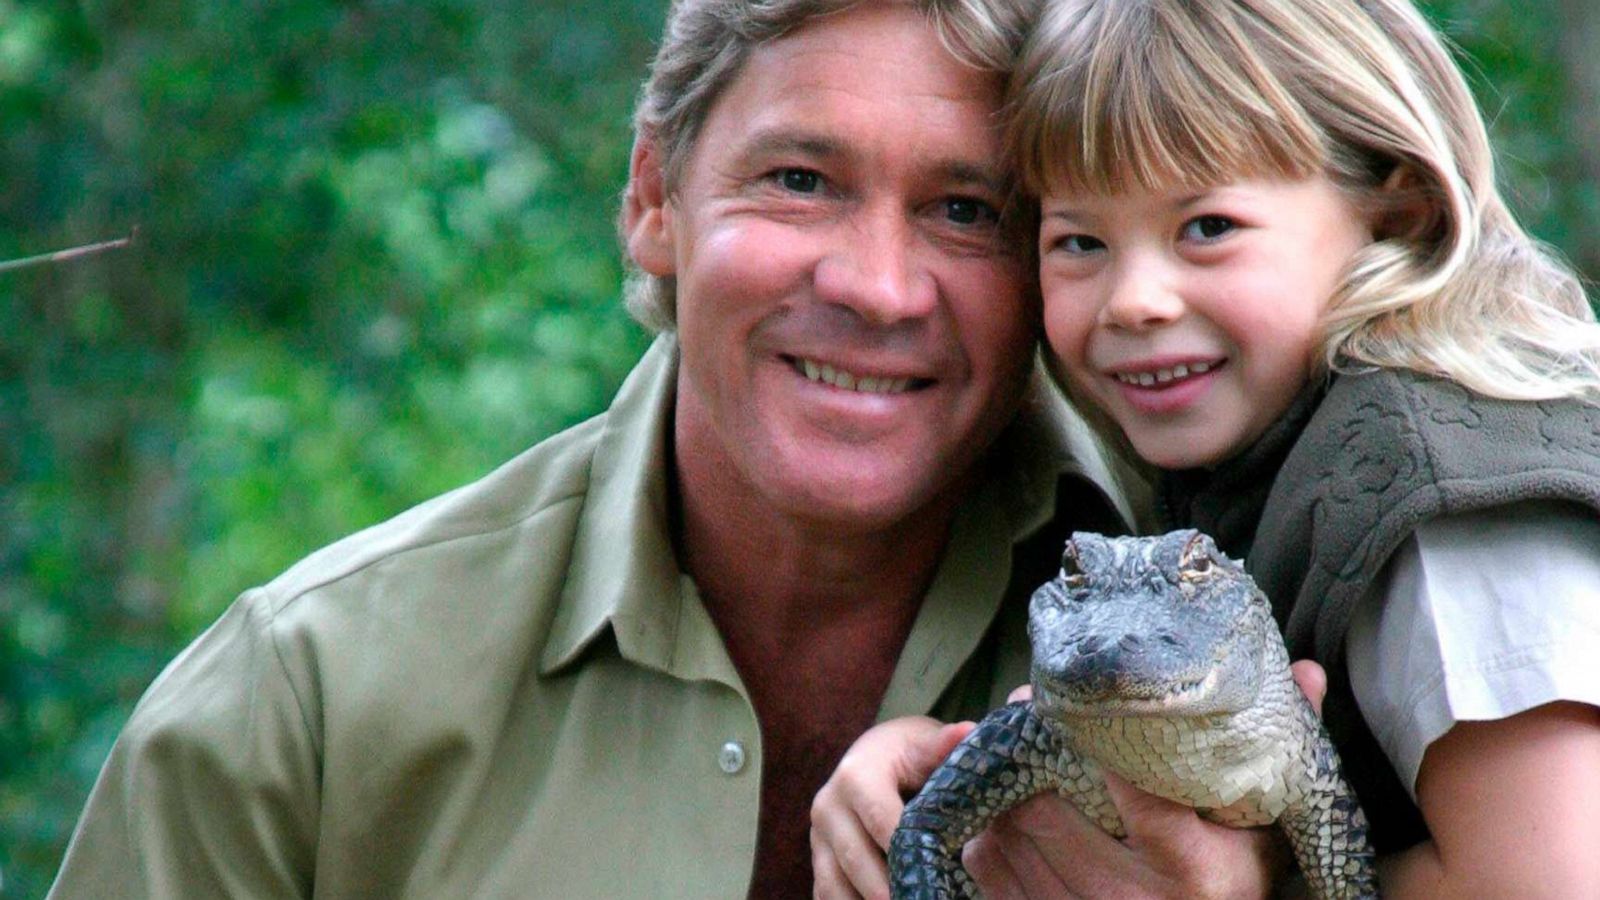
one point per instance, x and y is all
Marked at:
(1154, 94)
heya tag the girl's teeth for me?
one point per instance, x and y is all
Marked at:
(1163, 376)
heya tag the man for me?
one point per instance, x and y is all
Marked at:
(622, 664)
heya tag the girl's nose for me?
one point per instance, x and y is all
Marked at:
(1141, 296)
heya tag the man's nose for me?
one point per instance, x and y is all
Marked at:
(877, 269)
(1142, 294)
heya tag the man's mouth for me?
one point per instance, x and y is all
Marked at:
(1166, 376)
(850, 381)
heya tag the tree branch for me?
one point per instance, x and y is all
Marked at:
(69, 254)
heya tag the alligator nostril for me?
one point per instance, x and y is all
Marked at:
(1130, 642)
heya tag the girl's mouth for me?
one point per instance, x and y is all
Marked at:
(1165, 376)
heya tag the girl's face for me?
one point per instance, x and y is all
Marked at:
(1191, 316)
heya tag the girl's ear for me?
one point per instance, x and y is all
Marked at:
(1405, 209)
(647, 211)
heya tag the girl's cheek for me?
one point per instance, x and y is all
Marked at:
(1065, 327)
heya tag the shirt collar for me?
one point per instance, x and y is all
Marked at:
(623, 571)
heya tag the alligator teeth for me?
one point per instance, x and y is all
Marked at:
(851, 382)
(1163, 376)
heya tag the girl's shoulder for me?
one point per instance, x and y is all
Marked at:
(1387, 451)
(1443, 430)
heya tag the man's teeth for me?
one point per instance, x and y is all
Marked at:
(830, 375)
(1162, 376)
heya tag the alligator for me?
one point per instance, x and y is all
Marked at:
(1156, 658)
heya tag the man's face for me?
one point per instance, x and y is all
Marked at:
(854, 329)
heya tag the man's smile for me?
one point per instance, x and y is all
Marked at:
(851, 381)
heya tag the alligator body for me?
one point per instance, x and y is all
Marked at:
(1158, 659)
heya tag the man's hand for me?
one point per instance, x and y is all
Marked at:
(856, 812)
(1046, 848)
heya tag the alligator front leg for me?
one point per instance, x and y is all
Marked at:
(1328, 830)
(1008, 758)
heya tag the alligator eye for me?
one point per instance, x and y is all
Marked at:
(1197, 557)
(1072, 574)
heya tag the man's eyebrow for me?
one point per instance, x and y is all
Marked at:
(814, 145)
(988, 178)
(787, 140)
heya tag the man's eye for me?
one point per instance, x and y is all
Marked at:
(800, 181)
(966, 211)
(1208, 228)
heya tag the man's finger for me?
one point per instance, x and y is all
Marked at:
(1151, 820)
(1039, 849)
(1206, 859)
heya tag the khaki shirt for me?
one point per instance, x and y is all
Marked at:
(512, 691)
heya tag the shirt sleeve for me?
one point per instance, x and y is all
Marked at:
(211, 789)
(1478, 616)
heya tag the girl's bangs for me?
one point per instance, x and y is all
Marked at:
(1138, 101)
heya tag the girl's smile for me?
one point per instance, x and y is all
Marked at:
(1191, 316)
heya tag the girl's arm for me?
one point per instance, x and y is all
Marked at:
(1473, 661)
(1512, 805)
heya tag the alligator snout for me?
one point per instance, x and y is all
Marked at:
(1142, 666)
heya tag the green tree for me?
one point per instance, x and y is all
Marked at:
(375, 259)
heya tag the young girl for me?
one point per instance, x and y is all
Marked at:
(1276, 266)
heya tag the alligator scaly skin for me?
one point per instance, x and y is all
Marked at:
(1156, 658)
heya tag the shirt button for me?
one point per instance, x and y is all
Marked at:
(730, 758)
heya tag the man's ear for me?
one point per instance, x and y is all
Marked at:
(647, 211)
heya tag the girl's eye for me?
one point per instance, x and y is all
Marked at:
(800, 181)
(1208, 228)
(967, 211)
(1080, 243)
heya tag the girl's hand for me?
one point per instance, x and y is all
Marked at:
(856, 812)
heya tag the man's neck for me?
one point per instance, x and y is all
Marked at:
(814, 616)
(803, 598)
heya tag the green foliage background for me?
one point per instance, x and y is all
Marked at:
(375, 258)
